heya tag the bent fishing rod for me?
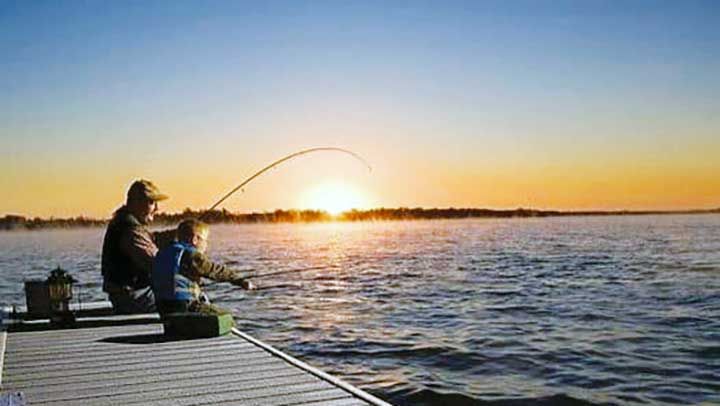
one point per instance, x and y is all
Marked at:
(278, 162)
(267, 168)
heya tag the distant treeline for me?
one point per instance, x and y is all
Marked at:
(224, 216)
(15, 222)
(453, 213)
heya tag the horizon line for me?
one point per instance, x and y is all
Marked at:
(189, 212)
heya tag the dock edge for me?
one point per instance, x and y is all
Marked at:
(309, 368)
(4, 311)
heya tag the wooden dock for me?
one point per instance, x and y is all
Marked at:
(125, 360)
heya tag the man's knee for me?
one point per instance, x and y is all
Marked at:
(134, 301)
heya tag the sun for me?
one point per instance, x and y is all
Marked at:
(334, 198)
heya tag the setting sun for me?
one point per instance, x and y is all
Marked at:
(334, 198)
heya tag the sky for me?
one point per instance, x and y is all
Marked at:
(570, 105)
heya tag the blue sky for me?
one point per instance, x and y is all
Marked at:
(128, 89)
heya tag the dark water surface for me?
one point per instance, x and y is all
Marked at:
(596, 310)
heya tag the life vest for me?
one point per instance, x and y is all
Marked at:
(167, 282)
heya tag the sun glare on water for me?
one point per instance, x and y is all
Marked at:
(334, 198)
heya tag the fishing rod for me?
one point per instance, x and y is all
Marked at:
(278, 162)
(289, 271)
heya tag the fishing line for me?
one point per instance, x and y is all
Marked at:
(278, 162)
(289, 271)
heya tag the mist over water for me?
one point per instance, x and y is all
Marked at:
(595, 310)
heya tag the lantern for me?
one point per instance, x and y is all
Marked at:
(59, 285)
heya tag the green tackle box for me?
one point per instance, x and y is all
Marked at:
(197, 325)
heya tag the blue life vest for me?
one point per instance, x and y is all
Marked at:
(167, 282)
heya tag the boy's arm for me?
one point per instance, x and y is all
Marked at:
(200, 266)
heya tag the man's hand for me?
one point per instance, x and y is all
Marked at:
(247, 285)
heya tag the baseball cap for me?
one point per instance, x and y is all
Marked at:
(146, 190)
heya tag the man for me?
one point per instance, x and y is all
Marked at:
(180, 267)
(129, 249)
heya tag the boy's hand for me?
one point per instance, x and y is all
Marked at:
(247, 285)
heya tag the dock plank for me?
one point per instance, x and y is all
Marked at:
(149, 391)
(120, 377)
(63, 364)
(137, 364)
(110, 353)
(100, 346)
(273, 396)
(261, 372)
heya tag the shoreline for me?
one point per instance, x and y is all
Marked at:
(20, 223)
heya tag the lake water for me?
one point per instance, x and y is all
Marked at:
(583, 310)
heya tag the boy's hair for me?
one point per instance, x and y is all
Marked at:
(190, 227)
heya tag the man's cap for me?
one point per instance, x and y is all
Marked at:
(144, 189)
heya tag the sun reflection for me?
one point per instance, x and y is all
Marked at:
(334, 198)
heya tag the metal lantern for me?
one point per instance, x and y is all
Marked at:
(59, 285)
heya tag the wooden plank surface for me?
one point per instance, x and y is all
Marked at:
(137, 364)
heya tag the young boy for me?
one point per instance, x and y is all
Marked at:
(178, 269)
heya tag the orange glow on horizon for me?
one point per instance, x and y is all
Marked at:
(334, 198)
(564, 180)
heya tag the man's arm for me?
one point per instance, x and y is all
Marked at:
(138, 244)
